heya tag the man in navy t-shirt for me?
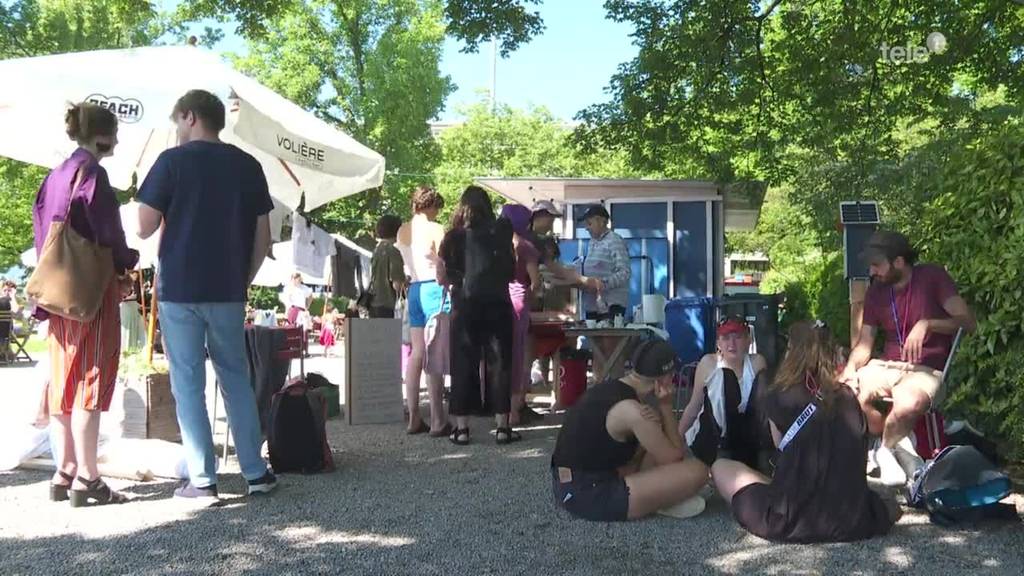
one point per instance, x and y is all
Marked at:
(918, 308)
(213, 202)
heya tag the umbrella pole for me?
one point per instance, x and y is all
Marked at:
(152, 325)
(142, 296)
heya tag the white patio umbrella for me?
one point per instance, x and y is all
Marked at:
(300, 153)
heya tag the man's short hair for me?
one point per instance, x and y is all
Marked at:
(888, 245)
(203, 105)
(388, 225)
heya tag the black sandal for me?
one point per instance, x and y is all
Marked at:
(510, 435)
(458, 434)
(97, 493)
(59, 492)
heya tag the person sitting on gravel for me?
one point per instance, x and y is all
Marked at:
(616, 458)
(819, 492)
(724, 403)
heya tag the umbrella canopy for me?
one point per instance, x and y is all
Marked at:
(300, 153)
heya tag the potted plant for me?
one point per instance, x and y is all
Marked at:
(149, 410)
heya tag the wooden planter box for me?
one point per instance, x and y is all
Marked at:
(149, 410)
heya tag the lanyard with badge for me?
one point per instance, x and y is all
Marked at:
(901, 329)
(815, 389)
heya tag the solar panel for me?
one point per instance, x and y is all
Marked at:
(859, 213)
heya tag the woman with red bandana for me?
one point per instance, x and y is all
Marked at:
(722, 410)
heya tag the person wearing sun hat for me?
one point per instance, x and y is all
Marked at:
(616, 458)
(722, 411)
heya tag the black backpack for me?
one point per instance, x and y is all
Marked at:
(297, 437)
(961, 485)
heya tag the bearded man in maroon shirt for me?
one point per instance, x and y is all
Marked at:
(918, 309)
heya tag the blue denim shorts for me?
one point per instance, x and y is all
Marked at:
(425, 301)
(597, 496)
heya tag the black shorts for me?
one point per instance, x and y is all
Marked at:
(597, 496)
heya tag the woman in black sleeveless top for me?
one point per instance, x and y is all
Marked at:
(819, 492)
(477, 263)
(618, 459)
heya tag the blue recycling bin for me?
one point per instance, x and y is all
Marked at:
(690, 326)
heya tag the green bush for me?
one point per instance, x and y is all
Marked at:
(316, 307)
(832, 304)
(975, 227)
(263, 298)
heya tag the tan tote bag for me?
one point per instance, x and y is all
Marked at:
(73, 273)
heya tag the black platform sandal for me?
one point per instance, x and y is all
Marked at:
(460, 437)
(97, 493)
(507, 435)
(59, 492)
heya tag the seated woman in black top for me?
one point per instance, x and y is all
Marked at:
(618, 459)
(819, 492)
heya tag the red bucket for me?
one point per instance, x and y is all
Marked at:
(573, 376)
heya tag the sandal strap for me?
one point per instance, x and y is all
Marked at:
(66, 476)
(99, 490)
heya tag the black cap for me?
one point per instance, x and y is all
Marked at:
(655, 358)
(596, 210)
(888, 245)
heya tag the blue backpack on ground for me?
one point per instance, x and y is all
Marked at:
(961, 485)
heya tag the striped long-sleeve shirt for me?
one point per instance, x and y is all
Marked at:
(607, 260)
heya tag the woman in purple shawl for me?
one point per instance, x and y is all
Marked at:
(522, 290)
(84, 356)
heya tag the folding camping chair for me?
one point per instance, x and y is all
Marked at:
(931, 422)
(295, 347)
(15, 335)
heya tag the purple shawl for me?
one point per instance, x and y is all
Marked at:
(94, 212)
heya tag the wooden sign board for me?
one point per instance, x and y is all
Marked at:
(373, 371)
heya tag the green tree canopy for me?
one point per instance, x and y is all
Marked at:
(370, 67)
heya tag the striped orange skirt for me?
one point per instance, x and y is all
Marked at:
(84, 358)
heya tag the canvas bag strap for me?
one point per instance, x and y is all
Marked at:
(75, 183)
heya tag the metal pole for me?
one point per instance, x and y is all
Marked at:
(494, 75)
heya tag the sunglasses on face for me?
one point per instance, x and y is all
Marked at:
(737, 319)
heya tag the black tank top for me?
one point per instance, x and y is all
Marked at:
(584, 442)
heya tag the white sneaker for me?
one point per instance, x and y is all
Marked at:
(908, 457)
(892, 473)
(872, 467)
(685, 509)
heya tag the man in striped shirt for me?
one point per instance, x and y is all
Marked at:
(606, 273)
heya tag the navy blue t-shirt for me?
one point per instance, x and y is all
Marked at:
(210, 195)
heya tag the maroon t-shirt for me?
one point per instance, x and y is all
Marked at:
(929, 288)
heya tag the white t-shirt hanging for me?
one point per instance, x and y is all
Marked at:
(311, 247)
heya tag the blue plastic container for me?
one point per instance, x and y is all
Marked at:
(690, 326)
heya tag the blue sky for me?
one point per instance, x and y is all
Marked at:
(565, 69)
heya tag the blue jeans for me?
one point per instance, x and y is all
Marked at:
(188, 331)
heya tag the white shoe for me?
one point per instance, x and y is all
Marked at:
(872, 467)
(908, 457)
(686, 509)
(892, 473)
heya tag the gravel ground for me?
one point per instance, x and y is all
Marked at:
(416, 505)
